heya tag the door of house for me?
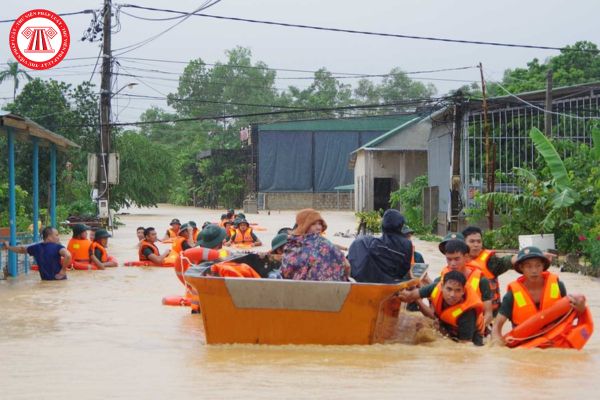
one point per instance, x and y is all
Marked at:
(382, 188)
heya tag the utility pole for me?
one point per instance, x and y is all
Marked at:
(105, 99)
(548, 107)
(489, 161)
(455, 180)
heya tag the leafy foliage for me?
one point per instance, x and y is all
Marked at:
(146, 172)
(562, 197)
(410, 201)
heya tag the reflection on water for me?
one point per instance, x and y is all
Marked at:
(105, 334)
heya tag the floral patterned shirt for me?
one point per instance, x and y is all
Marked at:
(313, 258)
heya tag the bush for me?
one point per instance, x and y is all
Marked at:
(409, 199)
(370, 220)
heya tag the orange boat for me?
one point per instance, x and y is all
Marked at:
(278, 311)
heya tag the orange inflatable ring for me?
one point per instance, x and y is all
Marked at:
(537, 322)
(145, 264)
(196, 255)
(178, 301)
(553, 327)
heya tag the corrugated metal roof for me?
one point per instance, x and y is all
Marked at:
(376, 123)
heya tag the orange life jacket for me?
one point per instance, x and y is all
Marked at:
(412, 257)
(451, 314)
(245, 237)
(473, 278)
(524, 306)
(177, 245)
(145, 244)
(79, 249)
(195, 233)
(233, 269)
(481, 263)
(172, 233)
(96, 245)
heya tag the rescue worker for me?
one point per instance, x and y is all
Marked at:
(536, 290)
(243, 235)
(98, 254)
(456, 252)
(458, 308)
(195, 231)
(184, 239)
(229, 230)
(224, 218)
(79, 244)
(490, 265)
(173, 230)
(148, 250)
(211, 237)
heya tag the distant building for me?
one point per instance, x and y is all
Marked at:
(389, 161)
(305, 163)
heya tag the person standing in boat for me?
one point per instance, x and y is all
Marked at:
(536, 290)
(52, 258)
(310, 256)
(382, 260)
(98, 254)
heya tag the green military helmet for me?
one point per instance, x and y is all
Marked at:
(450, 236)
(528, 253)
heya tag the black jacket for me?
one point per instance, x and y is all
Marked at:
(385, 259)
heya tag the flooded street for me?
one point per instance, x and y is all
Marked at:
(106, 335)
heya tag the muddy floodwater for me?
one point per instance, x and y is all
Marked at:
(106, 335)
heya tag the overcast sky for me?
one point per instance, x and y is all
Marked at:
(548, 23)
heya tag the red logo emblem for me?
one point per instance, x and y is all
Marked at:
(39, 39)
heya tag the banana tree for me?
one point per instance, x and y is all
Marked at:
(547, 202)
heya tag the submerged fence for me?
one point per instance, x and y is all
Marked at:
(509, 124)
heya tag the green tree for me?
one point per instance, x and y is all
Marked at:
(579, 63)
(146, 172)
(14, 71)
(324, 92)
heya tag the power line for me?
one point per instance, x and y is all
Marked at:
(135, 46)
(268, 113)
(60, 14)
(359, 32)
(337, 75)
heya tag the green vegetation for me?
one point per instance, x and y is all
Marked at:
(561, 196)
(409, 199)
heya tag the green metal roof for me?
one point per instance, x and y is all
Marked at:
(378, 123)
(389, 133)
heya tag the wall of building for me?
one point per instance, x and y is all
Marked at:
(413, 137)
(402, 166)
(318, 201)
(439, 166)
(359, 182)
